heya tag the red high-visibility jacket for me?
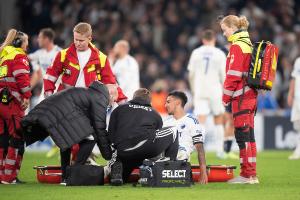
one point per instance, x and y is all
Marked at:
(14, 72)
(66, 63)
(237, 67)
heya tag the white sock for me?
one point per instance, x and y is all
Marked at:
(219, 133)
(297, 150)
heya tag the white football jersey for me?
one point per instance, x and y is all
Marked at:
(42, 59)
(296, 76)
(190, 132)
(208, 66)
(295, 114)
(127, 73)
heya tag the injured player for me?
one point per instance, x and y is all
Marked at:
(190, 132)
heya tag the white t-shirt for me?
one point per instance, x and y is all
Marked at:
(295, 115)
(127, 73)
(42, 59)
(83, 58)
(296, 76)
(208, 65)
(190, 132)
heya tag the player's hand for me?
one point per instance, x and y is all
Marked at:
(203, 178)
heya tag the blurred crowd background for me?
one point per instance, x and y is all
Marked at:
(163, 33)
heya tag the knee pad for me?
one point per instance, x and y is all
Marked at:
(21, 150)
(16, 143)
(242, 137)
(252, 137)
(3, 141)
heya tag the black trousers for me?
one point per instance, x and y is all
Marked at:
(164, 141)
(85, 150)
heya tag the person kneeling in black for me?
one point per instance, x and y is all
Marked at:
(135, 130)
(73, 116)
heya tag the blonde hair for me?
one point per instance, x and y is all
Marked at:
(11, 35)
(83, 29)
(234, 21)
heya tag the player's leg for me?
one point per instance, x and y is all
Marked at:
(296, 154)
(218, 113)
(229, 133)
(201, 110)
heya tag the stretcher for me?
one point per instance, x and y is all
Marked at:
(216, 173)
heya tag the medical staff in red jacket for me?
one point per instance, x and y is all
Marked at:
(243, 98)
(79, 65)
(15, 93)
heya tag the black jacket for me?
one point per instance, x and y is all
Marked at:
(132, 122)
(69, 117)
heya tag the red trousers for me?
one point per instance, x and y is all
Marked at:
(11, 143)
(243, 109)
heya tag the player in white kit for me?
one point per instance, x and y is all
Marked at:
(43, 58)
(190, 132)
(126, 69)
(294, 102)
(206, 76)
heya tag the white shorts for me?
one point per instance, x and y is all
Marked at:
(296, 125)
(207, 106)
(295, 115)
(183, 155)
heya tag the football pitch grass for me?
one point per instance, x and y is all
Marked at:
(279, 179)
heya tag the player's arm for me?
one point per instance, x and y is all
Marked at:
(198, 139)
(107, 77)
(202, 163)
(291, 93)
(37, 73)
(222, 68)
(35, 77)
(191, 72)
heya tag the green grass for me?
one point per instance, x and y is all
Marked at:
(279, 177)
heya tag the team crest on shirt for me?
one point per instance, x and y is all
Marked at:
(25, 62)
(182, 126)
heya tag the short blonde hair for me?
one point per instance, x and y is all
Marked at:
(233, 21)
(83, 29)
